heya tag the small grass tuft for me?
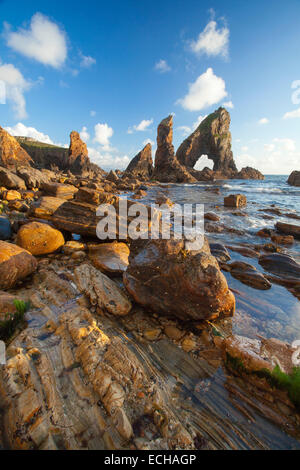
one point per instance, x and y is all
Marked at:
(13, 321)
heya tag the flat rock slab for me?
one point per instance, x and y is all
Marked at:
(281, 265)
(64, 191)
(45, 207)
(110, 257)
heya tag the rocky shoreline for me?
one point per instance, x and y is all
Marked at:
(129, 345)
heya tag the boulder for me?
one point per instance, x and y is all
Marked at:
(73, 246)
(167, 278)
(12, 154)
(32, 177)
(211, 216)
(81, 218)
(167, 167)
(5, 228)
(110, 257)
(11, 181)
(113, 177)
(12, 195)
(294, 178)
(235, 200)
(39, 238)
(15, 264)
(45, 207)
(63, 191)
(288, 229)
(92, 196)
(141, 166)
(101, 290)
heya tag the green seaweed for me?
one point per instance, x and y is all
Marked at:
(13, 321)
(276, 378)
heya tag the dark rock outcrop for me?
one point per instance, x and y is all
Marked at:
(249, 173)
(51, 157)
(288, 229)
(44, 155)
(141, 166)
(167, 167)
(212, 138)
(12, 155)
(294, 178)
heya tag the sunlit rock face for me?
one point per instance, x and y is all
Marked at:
(167, 167)
(12, 154)
(141, 166)
(212, 138)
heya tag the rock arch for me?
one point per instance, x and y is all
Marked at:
(212, 138)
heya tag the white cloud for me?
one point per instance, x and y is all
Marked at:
(84, 134)
(245, 149)
(228, 104)
(212, 41)
(107, 161)
(102, 135)
(44, 41)
(142, 126)
(15, 87)
(292, 114)
(162, 66)
(269, 147)
(93, 113)
(263, 121)
(280, 157)
(86, 61)
(23, 131)
(288, 144)
(207, 90)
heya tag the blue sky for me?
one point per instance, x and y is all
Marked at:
(114, 70)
